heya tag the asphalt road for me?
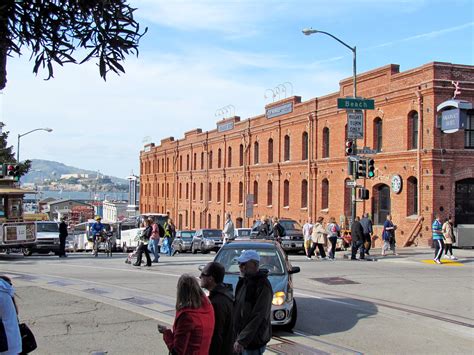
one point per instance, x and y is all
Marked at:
(395, 305)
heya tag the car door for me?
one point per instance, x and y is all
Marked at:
(197, 239)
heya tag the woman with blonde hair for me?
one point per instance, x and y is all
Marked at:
(318, 237)
(194, 322)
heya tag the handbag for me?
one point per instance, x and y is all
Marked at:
(28, 341)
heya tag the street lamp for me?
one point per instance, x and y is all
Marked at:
(24, 134)
(310, 31)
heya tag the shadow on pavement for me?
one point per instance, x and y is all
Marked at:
(331, 315)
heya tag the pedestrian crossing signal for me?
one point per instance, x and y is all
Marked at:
(361, 172)
(349, 147)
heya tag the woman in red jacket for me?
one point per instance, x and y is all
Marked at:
(194, 322)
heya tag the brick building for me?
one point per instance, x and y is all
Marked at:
(292, 158)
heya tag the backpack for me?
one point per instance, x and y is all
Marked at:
(161, 230)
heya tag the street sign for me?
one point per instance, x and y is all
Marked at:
(351, 183)
(355, 124)
(366, 150)
(355, 104)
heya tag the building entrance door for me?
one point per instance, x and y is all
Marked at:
(464, 202)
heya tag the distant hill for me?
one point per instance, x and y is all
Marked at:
(46, 169)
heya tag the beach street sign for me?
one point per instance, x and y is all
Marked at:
(355, 104)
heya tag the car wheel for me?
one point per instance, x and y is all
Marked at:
(193, 249)
(180, 249)
(27, 251)
(203, 251)
(294, 315)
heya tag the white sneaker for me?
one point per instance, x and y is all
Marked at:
(453, 257)
(308, 258)
(437, 261)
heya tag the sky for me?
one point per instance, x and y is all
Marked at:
(200, 56)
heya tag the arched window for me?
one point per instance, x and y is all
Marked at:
(304, 146)
(187, 218)
(180, 192)
(229, 192)
(241, 192)
(202, 160)
(286, 193)
(218, 192)
(255, 192)
(194, 167)
(269, 193)
(180, 163)
(209, 221)
(187, 162)
(413, 130)
(255, 153)
(325, 194)
(210, 159)
(210, 192)
(187, 191)
(304, 194)
(325, 142)
(229, 157)
(201, 191)
(286, 156)
(378, 134)
(241, 155)
(219, 158)
(218, 221)
(270, 150)
(381, 203)
(194, 191)
(412, 196)
(194, 220)
(163, 165)
(167, 190)
(167, 164)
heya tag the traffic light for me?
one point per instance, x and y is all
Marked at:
(370, 168)
(2, 173)
(16, 172)
(350, 147)
(361, 172)
(10, 170)
(363, 194)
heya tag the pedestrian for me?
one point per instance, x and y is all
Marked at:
(170, 233)
(252, 306)
(228, 231)
(307, 229)
(333, 231)
(154, 245)
(437, 230)
(449, 238)
(143, 247)
(10, 338)
(277, 230)
(264, 228)
(319, 238)
(357, 235)
(194, 321)
(388, 236)
(62, 237)
(222, 299)
(368, 230)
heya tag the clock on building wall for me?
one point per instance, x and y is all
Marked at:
(396, 183)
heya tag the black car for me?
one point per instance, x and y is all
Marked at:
(292, 241)
(206, 240)
(183, 240)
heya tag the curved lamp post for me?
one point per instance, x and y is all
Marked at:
(24, 134)
(310, 31)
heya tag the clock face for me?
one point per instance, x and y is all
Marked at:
(396, 183)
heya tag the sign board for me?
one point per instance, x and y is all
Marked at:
(355, 124)
(279, 110)
(249, 206)
(355, 104)
(351, 183)
(453, 120)
(366, 150)
(225, 126)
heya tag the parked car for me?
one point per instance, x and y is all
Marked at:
(293, 240)
(183, 241)
(280, 270)
(242, 233)
(206, 240)
(47, 238)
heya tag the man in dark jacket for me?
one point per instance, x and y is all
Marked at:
(357, 234)
(62, 237)
(366, 224)
(212, 278)
(264, 229)
(252, 306)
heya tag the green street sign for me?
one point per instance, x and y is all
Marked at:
(355, 104)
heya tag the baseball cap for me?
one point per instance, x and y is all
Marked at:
(248, 255)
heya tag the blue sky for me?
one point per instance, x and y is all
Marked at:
(199, 56)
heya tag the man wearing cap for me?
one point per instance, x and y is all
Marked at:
(222, 299)
(252, 306)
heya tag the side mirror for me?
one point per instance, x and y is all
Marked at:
(201, 267)
(294, 270)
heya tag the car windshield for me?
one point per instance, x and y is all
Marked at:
(187, 235)
(212, 233)
(47, 227)
(291, 225)
(244, 232)
(269, 259)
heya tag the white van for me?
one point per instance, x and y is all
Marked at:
(47, 238)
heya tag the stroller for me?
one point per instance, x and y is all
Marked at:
(132, 257)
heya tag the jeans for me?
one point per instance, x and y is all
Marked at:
(439, 245)
(356, 246)
(332, 251)
(154, 248)
(320, 248)
(254, 351)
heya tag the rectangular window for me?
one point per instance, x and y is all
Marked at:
(469, 132)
